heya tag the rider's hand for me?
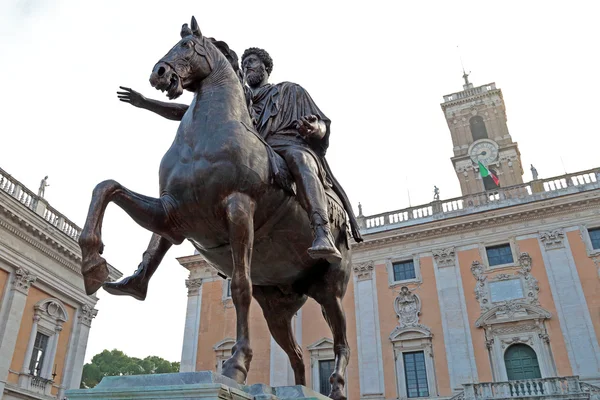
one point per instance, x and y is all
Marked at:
(131, 96)
(308, 126)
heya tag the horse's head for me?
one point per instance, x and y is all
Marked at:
(186, 64)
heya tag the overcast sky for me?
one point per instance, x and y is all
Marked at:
(377, 69)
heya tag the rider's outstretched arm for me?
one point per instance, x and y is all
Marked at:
(172, 111)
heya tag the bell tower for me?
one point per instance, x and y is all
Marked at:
(476, 117)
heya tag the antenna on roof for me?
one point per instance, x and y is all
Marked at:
(465, 76)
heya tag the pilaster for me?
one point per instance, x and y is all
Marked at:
(16, 299)
(368, 333)
(455, 322)
(76, 353)
(571, 307)
(189, 350)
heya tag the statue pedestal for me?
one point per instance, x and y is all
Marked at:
(187, 386)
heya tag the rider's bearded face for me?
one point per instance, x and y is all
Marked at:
(254, 70)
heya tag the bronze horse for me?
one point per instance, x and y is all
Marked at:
(217, 191)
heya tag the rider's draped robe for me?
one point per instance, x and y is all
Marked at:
(275, 110)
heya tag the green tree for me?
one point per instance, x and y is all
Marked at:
(115, 363)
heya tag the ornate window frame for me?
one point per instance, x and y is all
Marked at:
(223, 352)
(513, 249)
(410, 336)
(516, 322)
(321, 350)
(483, 290)
(48, 318)
(389, 266)
(585, 237)
(410, 339)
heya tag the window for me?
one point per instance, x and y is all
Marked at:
(326, 368)
(521, 363)
(499, 255)
(228, 294)
(478, 129)
(39, 351)
(404, 270)
(415, 374)
(595, 238)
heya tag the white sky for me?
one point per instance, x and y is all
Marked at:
(377, 69)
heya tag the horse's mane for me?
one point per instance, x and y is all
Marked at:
(233, 59)
(229, 54)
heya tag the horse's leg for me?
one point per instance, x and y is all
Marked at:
(240, 219)
(148, 212)
(328, 292)
(279, 309)
(136, 285)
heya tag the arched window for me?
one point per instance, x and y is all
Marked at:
(521, 363)
(478, 129)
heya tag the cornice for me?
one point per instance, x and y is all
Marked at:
(44, 249)
(470, 98)
(476, 221)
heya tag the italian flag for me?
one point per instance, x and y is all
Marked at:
(486, 172)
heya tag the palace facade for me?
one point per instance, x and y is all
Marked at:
(45, 315)
(495, 294)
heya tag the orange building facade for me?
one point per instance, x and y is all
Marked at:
(45, 315)
(495, 294)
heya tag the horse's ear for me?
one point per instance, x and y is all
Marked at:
(185, 31)
(195, 28)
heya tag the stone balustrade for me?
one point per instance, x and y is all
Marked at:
(502, 197)
(37, 204)
(568, 387)
(470, 92)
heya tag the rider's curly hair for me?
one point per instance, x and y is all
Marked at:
(262, 55)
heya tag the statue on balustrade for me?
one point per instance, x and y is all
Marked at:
(43, 185)
(534, 172)
(247, 183)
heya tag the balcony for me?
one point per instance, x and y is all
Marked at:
(568, 387)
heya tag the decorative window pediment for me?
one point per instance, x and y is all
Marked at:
(512, 311)
(410, 333)
(321, 344)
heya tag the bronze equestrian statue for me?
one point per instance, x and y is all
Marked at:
(224, 189)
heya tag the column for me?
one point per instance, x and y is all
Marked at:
(571, 307)
(30, 344)
(368, 332)
(10, 324)
(189, 350)
(77, 344)
(455, 322)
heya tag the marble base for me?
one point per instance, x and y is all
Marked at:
(188, 386)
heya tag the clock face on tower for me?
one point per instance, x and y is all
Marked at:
(484, 150)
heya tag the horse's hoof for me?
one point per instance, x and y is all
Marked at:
(235, 372)
(126, 288)
(337, 395)
(95, 276)
(331, 254)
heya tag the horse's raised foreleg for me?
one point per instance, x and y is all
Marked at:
(136, 285)
(279, 308)
(240, 219)
(148, 212)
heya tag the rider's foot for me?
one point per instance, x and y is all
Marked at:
(135, 286)
(323, 246)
